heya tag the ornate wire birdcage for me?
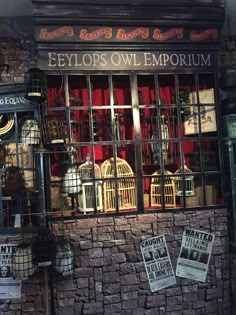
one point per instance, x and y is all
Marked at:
(54, 130)
(22, 261)
(64, 260)
(30, 131)
(162, 189)
(185, 182)
(91, 186)
(119, 191)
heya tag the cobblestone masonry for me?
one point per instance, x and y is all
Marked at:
(109, 275)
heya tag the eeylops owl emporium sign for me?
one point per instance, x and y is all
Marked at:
(128, 60)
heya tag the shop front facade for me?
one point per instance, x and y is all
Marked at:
(131, 150)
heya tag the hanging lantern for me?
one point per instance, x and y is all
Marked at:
(185, 182)
(88, 186)
(22, 262)
(72, 181)
(35, 84)
(64, 261)
(30, 131)
(44, 248)
(54, 131)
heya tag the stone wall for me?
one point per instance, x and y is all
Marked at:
(109, 276)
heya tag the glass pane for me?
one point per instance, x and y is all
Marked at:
(121, 90)
(100, 90)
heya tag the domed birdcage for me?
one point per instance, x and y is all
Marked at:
(64, 260)
(121, 190)
(22, 261)
(185, 182)
(89, 174)
(30, 131)
(162, 184)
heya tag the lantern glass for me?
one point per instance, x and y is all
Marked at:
(72, 181)
(22, 262)
(35, 81)
(64, 261)
(30, 131)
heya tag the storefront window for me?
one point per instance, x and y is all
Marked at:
(150, 140)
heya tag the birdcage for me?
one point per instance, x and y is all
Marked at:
(54, 130)
(64, 260)
(91, 187)
(120, 189)
(185, 182)
(22, 261)
(162, 189)
(30, 131)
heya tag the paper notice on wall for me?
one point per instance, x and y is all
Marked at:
(10, 289)
(195, 253)
(157, 263)
(6, 251)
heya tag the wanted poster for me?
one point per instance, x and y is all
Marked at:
(195, 254)
(6, 251)
(9, 288)
(157, 263)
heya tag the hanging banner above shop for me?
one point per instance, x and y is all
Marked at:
(104, 34)
(194, 255)
(126, 60)
(157, 263)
